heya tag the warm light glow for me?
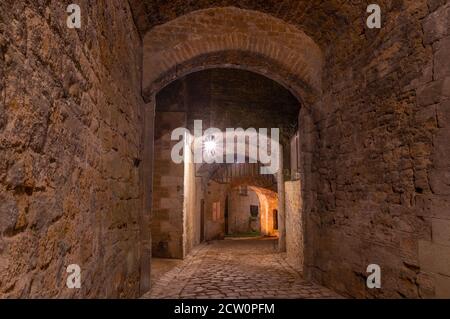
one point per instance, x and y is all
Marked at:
(210, 146)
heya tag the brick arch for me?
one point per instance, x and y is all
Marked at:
(268, 200)
(254, 41)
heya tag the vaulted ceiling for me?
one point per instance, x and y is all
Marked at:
(323, 20)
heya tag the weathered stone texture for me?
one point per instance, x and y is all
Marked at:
(69, 144)
(239, 218)
(434, 253)
(367, 141)
(374, 128)
(215, 225)
(323, 20)
(168, 196)
(294, 225)
(373, 172)
(224, 30)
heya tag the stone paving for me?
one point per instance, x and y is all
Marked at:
(246, 268)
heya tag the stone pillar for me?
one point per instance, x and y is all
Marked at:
(146, 180)
(281, 204)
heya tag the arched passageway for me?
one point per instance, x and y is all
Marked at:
(365, 170)
(189, 199)
(184, 45)
(298, 65)
(199, 201)
(167, 58)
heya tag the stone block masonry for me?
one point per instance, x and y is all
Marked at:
(168, 197)
(372, 126)
(434, 250)
(373, 131)
(70, 125)
(374, 169)
(294, 225)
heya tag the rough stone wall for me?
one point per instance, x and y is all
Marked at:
(215, 192)
(70, 108)
(323, 20)
(239, 218)
(375, 159)
(294, 224)
(167, 220)
(191, 204)
(433, 98)
(373, 150)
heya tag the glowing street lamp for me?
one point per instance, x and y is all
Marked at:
(210, 146)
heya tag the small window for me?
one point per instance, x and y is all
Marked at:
(254, 210)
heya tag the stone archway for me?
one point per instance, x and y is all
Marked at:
(375, 153)
(205, 39)
(250, 152)
(269, 202)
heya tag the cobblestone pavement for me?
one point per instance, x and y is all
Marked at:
(247, 268)
(162, 265)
